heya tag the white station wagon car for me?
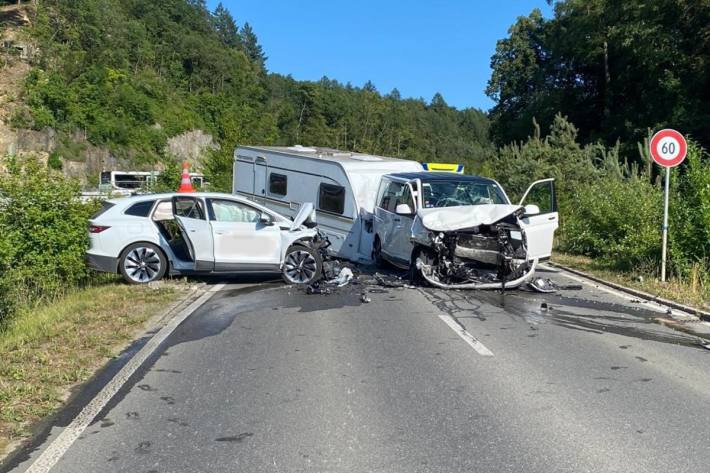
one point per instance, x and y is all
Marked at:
(144, 237)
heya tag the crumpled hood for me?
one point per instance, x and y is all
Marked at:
(446, 219)
(303, 214)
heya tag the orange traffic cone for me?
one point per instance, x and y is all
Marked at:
(185, 181)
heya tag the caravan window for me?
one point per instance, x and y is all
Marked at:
(278, 184)
(331, 198)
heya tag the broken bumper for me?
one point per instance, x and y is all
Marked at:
(426, 272)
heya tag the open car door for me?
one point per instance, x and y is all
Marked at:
(541, 218)
(190, 216)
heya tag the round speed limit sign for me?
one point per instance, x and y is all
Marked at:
(668, 148)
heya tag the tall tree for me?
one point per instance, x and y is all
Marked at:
(251, 45)
(225, 26)
(614, 68)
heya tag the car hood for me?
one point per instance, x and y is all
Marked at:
(448, 219)
(303, 214)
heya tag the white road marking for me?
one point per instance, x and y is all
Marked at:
(467, 337)
(51, 455)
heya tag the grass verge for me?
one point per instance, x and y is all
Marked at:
(690, 291)
(46, 350)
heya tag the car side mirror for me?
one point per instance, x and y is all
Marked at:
(266, 220)
(403, 209)
(532, 209)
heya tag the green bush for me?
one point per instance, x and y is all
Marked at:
(689, 233)
(43, 234)
(617, 220)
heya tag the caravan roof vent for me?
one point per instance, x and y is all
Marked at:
(366, 157)
(302, 149)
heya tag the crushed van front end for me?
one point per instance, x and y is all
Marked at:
(487, 252)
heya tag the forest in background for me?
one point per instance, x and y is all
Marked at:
(576, 97)
(129, 74)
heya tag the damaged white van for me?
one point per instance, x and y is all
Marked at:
(462, 232)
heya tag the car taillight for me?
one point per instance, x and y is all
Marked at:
(97, 228)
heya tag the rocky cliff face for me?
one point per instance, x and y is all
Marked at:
(14, 66)
(79, 158)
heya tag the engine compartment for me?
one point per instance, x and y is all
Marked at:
(474, 257)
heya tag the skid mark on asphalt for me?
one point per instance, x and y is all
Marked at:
(467, 337)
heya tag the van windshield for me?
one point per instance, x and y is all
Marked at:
(453, 193)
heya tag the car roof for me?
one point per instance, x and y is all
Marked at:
(168, 195)
(428, 176)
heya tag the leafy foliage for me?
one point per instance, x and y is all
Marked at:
(43, 235)
(130, 74)
(611, 210)
(614, 68)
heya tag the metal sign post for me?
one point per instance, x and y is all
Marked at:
(665, 224)
(668, 148)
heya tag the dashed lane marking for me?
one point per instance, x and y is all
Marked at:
(467, 337)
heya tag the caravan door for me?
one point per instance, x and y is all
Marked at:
(259, 179)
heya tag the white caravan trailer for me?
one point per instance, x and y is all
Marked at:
(342, 186)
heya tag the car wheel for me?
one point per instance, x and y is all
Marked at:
(377, 254)
(428, 257)
(142, 263)
(302, 265)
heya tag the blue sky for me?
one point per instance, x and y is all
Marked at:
(419, 47)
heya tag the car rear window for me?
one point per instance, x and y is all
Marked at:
(104, 208)
(331, 198)
(140, 209)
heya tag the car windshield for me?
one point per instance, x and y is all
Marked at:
(453, 193)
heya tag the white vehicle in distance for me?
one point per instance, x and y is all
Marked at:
(462, 232)
(145, 237)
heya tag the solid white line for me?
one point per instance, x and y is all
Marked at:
(51, 455)
(467, 337)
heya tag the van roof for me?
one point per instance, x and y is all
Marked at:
(345, 158)
(428, 176)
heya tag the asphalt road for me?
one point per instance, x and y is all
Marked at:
(268, 379)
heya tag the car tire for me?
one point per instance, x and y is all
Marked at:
(302, 265)
(428, 257)
(380, 262)
(142, 263)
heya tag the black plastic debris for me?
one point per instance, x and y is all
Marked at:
(317, 288)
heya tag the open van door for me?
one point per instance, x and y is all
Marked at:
(190, 216)
(541, 218)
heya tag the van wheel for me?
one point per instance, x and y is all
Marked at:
(380, 262)
(142, 263)
(302, 265)
(428, 257)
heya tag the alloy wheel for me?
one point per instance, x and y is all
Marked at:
(142, 264)
(300, 266)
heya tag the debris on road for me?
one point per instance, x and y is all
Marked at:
(547, 286)
(542, 285)
(344, 277)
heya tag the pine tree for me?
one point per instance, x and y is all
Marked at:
(251, 45)
(369, 86)
(225, 26)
